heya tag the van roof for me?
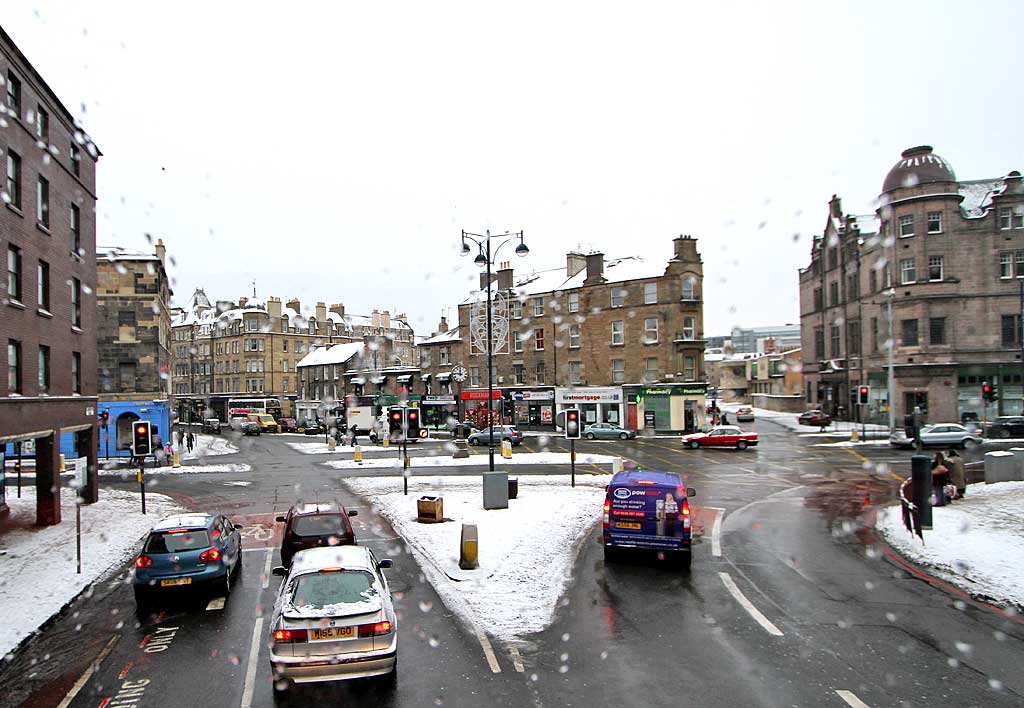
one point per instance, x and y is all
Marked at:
(668, 479)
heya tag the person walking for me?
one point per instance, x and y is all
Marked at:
(190, 441)
(355, 437)
(957, 473)
(724, 419)
(940, 478)
(178, 436)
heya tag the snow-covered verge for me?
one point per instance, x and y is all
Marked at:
(129, 472)
(207, 446)
(789, 421)
(322, 448)
(526, 552)
(521, 458)
(976, 543)
(37, 565)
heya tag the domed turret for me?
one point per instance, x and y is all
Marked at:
(919, 165)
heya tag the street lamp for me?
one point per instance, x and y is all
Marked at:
(889, 295)
(483, 258)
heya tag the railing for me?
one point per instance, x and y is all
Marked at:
(911, 514)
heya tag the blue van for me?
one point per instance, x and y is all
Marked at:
(645, 510)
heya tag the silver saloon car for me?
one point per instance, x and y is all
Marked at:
(333, 619)
(938, 434)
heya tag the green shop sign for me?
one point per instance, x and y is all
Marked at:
(691, 390)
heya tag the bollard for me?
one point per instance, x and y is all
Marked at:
(854, 435)
(384, 441)
(62, 462)
(468, 548)
(616, 465)
(359, 453)
(921, 474)
(506, 449)
(331, 444)
(177, 462)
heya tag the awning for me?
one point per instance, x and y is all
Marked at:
(378, 379)
(357, 380)
(443, 377)
(425, 377)
(405, 378)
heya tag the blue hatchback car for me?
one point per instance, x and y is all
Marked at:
(188, 551)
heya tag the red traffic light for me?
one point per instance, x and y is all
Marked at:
(863, 390)
(413, 415)
(572, 415)
(396, 416)
(986, 389)
(140, 429)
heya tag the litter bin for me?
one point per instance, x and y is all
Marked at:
(513, 489)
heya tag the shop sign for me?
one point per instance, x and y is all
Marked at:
(437, 398)
(694, 390)
(480, 395)
(533, 395)
(589, 395)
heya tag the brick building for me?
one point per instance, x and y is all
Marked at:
(48, 306)
(438, 355)
(621, 339)
(950, 255)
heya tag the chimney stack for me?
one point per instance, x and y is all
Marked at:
(295, 305)
(483, 280)
(274, 310)
(160, 250)
(375, 318)
(505, 276)
(242, 300)
(443, 326)
(385, 319)
(574, 263)
(339, 310)
(686, 249)
(835, 207)
(595, 269)
(321, 313)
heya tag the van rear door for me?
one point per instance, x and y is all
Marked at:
(647, 515)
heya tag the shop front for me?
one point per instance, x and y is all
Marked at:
(1006, 381)
(531, 409)
(597, 404)
(438, 409)
(475, 406)
(672, 408)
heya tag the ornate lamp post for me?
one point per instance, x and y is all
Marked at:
(484, 259)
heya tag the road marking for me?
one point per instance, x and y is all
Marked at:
(216, 603)
(250, 669)
(517, 659)
(747, 605)
(852, 700)
(84, 678)
(492, 660)
(266, 568)
(716, 532)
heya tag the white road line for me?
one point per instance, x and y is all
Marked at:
(492, 660)
(250, 669)
(266, 568)
(747, 605)
(84, 678)
(716, 532)
(517, 659)
(851, 700)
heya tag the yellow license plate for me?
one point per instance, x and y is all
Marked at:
(328, 633)
(627, 525)
(176, 581)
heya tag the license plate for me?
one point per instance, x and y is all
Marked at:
(176, 581)
(328, 633)
(627, 525)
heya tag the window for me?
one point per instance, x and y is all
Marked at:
(1006, 264)
(76, 230)
(574, 302)
(43, 201)
(618, 332)
(690, 368)
(540, 371)
(937, 330)
(910, 333)
(575, 372)
(852, 287)
(14, 93)
(833, 258)
(574, 336)
(906, 225)
(934, 267)
(474, 376)
(43, 289)
(618, 297)
(14, 273)
(284, 345)
(689, 328)
(44, 369)
(517, 341)
(14, 178)
(650, 369)
(1011, 218)
(76, 302)
(935, 222)
(76, 158)
(13, 366)
(538, 340)
(1011, 331)
(1018, 217)
(42, 124)
(872, 280)
(833, 294)
(519, 374)
(853, 338)
(618, 370)
(444, 356)
(538, 307)
(651, 330)
(819, 343)
(874, 335)
(908, 271)
(819, 300)
(517, 309)
(689, 287)
(834, 343)
(650, 293)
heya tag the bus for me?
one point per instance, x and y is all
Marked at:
(239, 408)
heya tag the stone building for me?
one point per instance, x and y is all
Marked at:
(949, 256)
(775, 381)
(438, 355)
(47, 305)
(621, 339)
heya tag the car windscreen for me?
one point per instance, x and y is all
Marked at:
(175, 542)
(319, 525)
(317, 590)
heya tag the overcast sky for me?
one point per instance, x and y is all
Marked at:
(336, 152)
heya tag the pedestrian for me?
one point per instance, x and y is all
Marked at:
(355, 437)
(190, 441)
(178, 436)
(725, 419)
(940, 478)
(957, 473)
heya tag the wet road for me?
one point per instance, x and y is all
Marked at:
(789, 603)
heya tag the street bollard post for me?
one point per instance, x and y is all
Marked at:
(359, 454)
(921, 476)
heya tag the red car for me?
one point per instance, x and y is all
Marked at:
(722, 436)
(815, 417)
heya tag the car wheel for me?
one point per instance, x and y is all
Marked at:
(741, 445)
(611, 554)
(1003, 433)
(694, 444)
(968, 443)
(684, 560)
(223, 588)
(281, 689)
(590, 436)
(390, 679)
(623, 436)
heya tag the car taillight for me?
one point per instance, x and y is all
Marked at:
(290, 635)
(209, 555)
(684, 515)
(371, 630)
(143, 562)
(607, 509)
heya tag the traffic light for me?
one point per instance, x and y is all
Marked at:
(988, 392)
(572, 424)
(142, 443)
(862, 395)
(412, 428)
(395, 422)
(105, 418)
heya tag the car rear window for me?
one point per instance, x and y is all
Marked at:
(319, 525)
(176, 542)
(322, 589)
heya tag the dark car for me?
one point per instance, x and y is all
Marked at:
(815, 417)
(211, 425)
(287, 425)
(188, 551)
(311, 427)
(501, 432)
(251, 427)
(312, 525)
(1006, 426)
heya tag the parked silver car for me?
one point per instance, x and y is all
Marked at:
(938, 434)
(501, 432)
(333, 618)
(607, 431)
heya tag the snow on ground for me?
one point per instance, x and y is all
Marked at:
(129, 472)
(207, 446)
(321, 448)
(521, 458)
(41, 561)
(976, 542)
(526, 552)
(789, 420)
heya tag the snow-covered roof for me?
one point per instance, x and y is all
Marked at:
(336, 354)
(616, 270)
(118, 253)
(867, 224)
(451, 335)
(977, 196)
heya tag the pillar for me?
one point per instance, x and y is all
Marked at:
(86, 442)
(48, 480)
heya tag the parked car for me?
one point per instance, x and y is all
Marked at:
(211, 425)
(647, 510)
(744, 414)
(501, 432)
(944, 434)
(607, 431)
(310, 426)
(722, 436)
(312, 525)
(250, 427)
(1006, 426)
(815, 417)
(187, 551)
(333, 619)
(288, 425)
